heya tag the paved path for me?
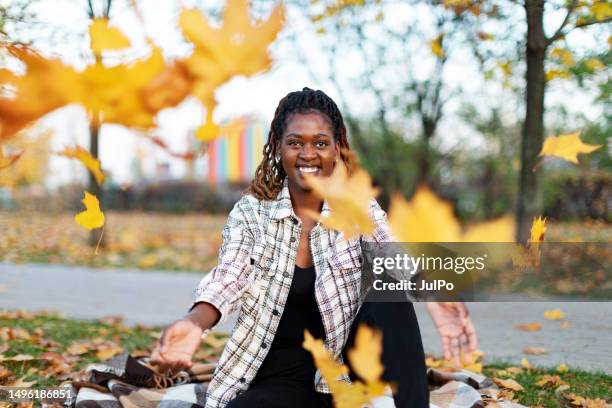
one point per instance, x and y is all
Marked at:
(157, 298)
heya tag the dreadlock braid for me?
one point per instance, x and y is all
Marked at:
(270, 174)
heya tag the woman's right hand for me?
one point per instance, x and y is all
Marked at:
(176, 346)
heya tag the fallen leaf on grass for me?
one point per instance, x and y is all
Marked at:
(562, 368)
(550, 381)
(578, 401)
(509, 384)
(78, 348)
(535, 351)
(530, 327)
(18, 357)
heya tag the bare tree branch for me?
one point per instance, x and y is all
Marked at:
(559, 33)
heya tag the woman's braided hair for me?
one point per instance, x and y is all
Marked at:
(270, 174)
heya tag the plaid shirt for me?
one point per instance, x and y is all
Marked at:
(254, 274)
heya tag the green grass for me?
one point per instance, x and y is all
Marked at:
(52, 333)
(590, 385)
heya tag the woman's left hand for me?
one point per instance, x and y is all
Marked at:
(455, 328)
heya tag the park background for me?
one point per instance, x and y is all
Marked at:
(442, 94)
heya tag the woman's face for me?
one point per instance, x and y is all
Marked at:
(308, 146)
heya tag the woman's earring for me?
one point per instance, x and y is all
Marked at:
(277, 158)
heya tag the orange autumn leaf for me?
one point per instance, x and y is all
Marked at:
(550, 381)
(566, 147)
(509, 384)
(103, 37)
(91, 163)
(530, 327)
(348, 198)
(39, 90)
(92, 217)
(535, 351)
(8, 160)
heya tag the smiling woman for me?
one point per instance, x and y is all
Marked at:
(286, 273)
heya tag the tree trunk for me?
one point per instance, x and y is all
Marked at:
(94, 188)
(529, 202)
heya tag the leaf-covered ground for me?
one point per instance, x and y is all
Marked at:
(46, 348)
(133, 240)
(162, 241)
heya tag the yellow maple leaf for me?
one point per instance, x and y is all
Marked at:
(92, 217)
(345, 395)
(102, 37)
(436, 46)
(348, 199)
(538, 229)
(237, 47)
(91, 163)
(555, 314)
(427, 218)
(8, 160)
(365, 356)
(566, 147)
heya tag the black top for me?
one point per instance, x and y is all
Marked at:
(287, 361)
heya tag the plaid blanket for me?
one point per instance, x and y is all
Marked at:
(128, 382)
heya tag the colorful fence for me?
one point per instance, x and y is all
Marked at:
(234, 157)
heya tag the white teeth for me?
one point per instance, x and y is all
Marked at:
(308, 169)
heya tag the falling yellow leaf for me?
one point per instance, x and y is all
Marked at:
(550, 381)
(538, 229)
(566, 147)
(530, 327)
(103, 37)
(427, 218)
(237, 47)
(365, 356)
(92, 217)
(554, 314)
(91, 163)
(40, 89)
(535, 351)
(436, 46)
(509, 384)
(348, 199)
(482, 36)
(562, 368)
(345, 395)
(8, 160)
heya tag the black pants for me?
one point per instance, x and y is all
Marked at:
(403, 359)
